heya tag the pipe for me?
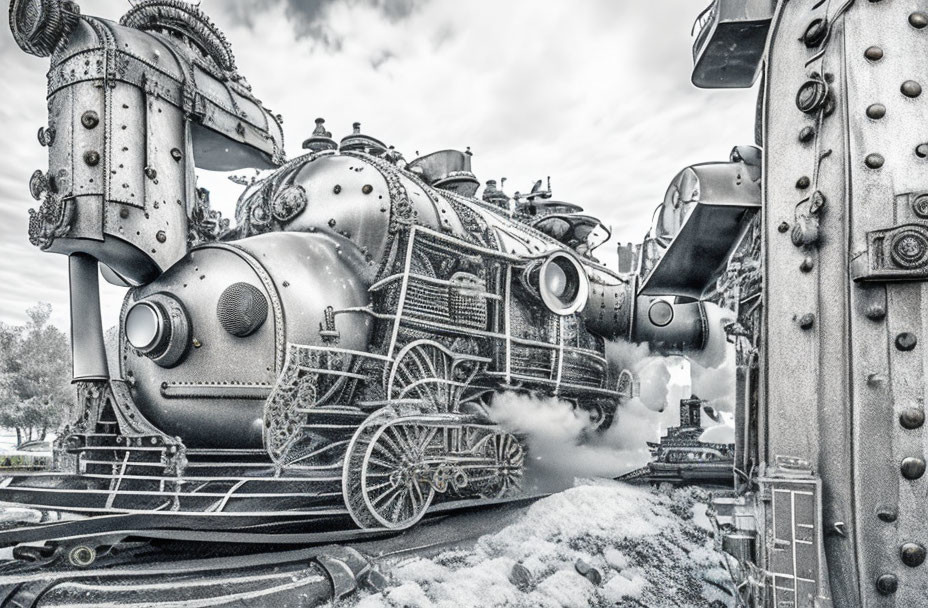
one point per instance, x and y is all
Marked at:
(88, 352)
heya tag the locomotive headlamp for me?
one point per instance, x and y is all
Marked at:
(158, 328)
(144, 326)
(560, 281)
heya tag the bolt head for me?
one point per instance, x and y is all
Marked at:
(910, 88)
(90, 119)
(873, 53)
(876, 111)
(874, 160)
(913, 554)
(906, 341)
(887, 584)
(887, 514)
(803, 182)
(912, 467)
(806, 134)
(912, 418)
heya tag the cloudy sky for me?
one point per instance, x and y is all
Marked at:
(594, 93)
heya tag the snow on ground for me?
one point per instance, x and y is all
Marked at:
(650, 549)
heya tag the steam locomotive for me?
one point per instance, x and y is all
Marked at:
(333, 357)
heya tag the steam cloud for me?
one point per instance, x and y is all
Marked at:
(562, 447)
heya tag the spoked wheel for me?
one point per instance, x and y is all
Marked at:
(508, 457)
(387, 476)
(432, 374)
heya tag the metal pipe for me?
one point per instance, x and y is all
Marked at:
(88, 352)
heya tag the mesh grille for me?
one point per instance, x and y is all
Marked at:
(242, 309)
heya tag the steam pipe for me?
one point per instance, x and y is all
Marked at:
(88, 352)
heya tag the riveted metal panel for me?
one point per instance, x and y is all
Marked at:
(125, 158)
(886, 177)
(806, 280)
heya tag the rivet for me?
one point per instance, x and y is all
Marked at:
(875, 380)
(912, 418)
(150, 173)
(874, 53)
(161, 236)
(906, 341)
(92, 158)
(876, 312)
(123, 213)
(887, 584)
(886, 513)
(811, 96)
(90, 119)
(807, 320)
(807, 264)
(196, 343)
(337, 188)
(918, 20)
(175, 154)
(803, 182)
(783, 227)
(332, 223)
(910, 88)
(921, 150)
(876, 111)
(815, 33)
(920, 205)
(874, 160)
(913, 554)
(912, 467)
(806, 134)
(367, 189)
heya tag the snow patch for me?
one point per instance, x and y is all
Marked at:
(653, 548)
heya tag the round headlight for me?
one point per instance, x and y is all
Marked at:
(562, 283)
(144, 326)
(157, 327)
(555, 280)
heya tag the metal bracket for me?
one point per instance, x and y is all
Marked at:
(893, 254)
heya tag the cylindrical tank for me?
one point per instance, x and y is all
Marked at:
(203, 344)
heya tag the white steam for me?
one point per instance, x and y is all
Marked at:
(561, 444)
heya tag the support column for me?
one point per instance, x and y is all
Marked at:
(88, 352)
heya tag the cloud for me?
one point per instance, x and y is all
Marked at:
(310, 18)
(595, 94)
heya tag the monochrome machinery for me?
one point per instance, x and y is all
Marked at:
(828, 283)
(329, 361)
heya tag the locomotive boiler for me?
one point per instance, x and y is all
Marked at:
(332, 359)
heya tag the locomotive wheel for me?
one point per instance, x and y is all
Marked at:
(432, 374)
(506, 451)
(387, 476)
